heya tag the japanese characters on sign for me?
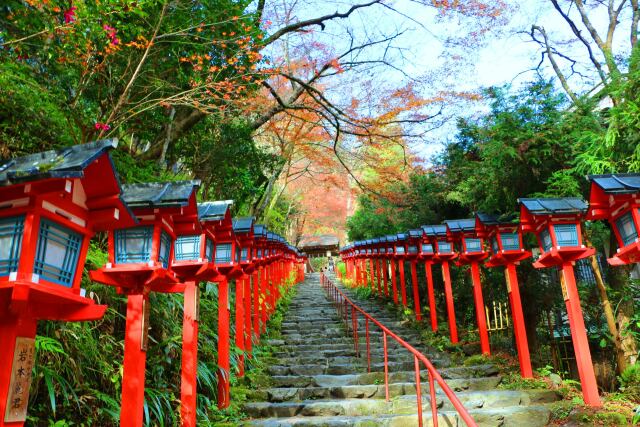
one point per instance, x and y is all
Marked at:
(23, 360)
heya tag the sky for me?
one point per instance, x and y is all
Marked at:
(506, 56)
(420, 55)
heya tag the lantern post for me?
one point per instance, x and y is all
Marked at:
(505, 243)
(193, 263)
(140, 259)
(400, 253)
(557, 224)
(369, 268)
(414, 240)
(426, 254)
(360, 256)
(382, 250)
(52, 204)
(351, 252)
(270, 276)
(444, 254)
(216, 218)
(471, 252)
(344, 256)
(260, 237)
(616, 198)
(243, 231)
(391, 248)
(377, 264)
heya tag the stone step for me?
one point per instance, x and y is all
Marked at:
(377, 378)
(343, 368)
(520, 416)
(400, 404)
(317, 380)
(369, 390)
(308, 379)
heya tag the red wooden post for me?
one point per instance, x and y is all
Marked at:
(385, 267)
(403, 287)
(579, 337)
(13, 328)
(416, 293)
(188, 383)
(506, 248)
(519, 330)
(248, 335)
(448, 294)
(471, 250)
(256, 305)
(379, 275)
(557, 225)
(224, 365)
(263, 296)
(135, 359)
(480, 314)
(432, 298)
(393, 281)
(239, 324)
(371, 276)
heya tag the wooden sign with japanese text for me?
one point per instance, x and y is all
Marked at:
(18, 397)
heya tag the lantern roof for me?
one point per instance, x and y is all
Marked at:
(461, 225)
(619, 183)
(260, 230)
(392, 238)
(438, 230)
(415, 233)
(375, 241)
(243, 225)
(554, 206)
(488, 219)
(159, 194)
(68, 162)
(383, 239)
(401, 236)
(214, 211)
(271, 236)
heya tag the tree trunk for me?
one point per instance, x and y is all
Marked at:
(609, 315)
(185, 119)
(619, 281)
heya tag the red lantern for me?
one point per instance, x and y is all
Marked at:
(52, 204)
(471, 251)
(193, 263)
(243, 230)
(427, 254)
(400, 253)
(216, 220)
(414, 243)
(260, 260)
(557, 223)
(616, 198)
(444, 254)
(390, 255)
(140, 259)
(505, 237)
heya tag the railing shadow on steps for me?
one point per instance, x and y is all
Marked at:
(346, 307)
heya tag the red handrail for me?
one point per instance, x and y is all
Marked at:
(342, 303)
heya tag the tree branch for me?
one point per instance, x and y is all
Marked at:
(316, 21)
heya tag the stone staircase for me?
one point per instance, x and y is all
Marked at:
(319, 381)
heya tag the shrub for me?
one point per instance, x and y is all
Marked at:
(630, 382)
